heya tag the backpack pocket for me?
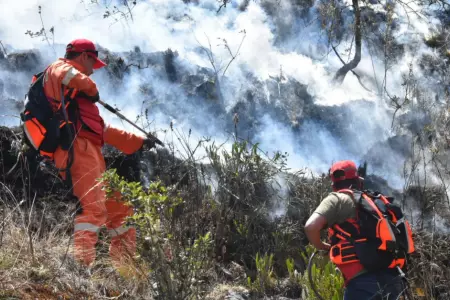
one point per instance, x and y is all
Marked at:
(370, 257)
(385, 232)
(35, 132)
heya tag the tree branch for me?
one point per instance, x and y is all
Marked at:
(137, 66)
(224, 4)
(354, 73)
(210, 54)
(340, 74)
(3, 47)
(233, 56)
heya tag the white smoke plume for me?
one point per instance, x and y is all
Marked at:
(281, 45)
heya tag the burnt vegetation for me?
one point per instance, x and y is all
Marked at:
(230, 226)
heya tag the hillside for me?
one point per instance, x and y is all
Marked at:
(254, 100)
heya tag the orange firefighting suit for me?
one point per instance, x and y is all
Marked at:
(88, 166)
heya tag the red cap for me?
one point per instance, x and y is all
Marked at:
(342, 170)
(83, 45)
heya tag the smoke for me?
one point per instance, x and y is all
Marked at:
(279, 204)
(281, 43)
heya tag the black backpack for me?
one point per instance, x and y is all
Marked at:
(379, 238)
(44, 122)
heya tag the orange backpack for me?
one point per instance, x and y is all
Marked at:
(380, 237)
(44, 123)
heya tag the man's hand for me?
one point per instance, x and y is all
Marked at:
(324, 250)
(149, 143)
(325, 247)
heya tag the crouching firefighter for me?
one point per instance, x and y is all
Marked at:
(62, 122)
(369, 238)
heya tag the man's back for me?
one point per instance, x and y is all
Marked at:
(337, 208)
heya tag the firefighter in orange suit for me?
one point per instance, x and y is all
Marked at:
(70, 75)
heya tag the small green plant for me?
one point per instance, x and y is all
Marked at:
(265, 277)
(327, 280)
(241, 228)
(291, 269)
(294, 286)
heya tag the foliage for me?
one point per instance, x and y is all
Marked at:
(177, 265)
(264, 274)
(428, 273)
(327, 279)
(243, 198)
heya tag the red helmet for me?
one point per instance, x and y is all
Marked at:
(342, 170)
(83, 45)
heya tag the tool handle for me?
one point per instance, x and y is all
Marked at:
(108, 107)
(115, 111)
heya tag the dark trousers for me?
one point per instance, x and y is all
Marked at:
(381, 285)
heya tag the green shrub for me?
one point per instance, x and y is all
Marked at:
(243, 177)
(328, 281)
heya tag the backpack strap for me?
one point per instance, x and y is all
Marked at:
(70, 132)
(348, 230)
(384, 228)
(355, 195)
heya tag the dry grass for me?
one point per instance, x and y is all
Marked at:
(429, 266)
(44, 268)
(223, 292)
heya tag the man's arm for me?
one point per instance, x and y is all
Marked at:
(313, 226)
(64, 73)
(126, 142)
(73, 78)
(325, 215)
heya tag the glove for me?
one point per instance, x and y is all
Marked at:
(149, 143)
(93, 99)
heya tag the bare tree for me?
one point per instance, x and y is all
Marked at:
(340, 74)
